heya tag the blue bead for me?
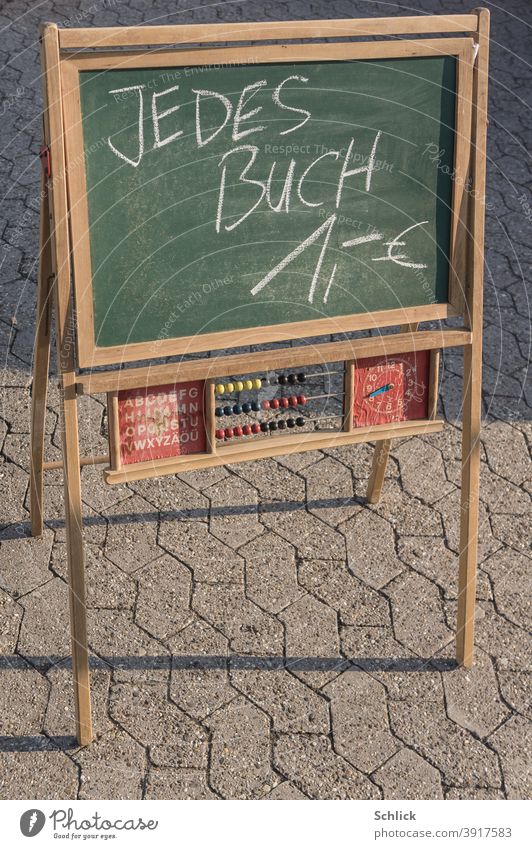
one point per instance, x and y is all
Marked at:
(246, 408)
(218, 412)
(255, 406)
(228, 411)
(237, 409)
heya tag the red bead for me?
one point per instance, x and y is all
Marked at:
(266, 405)
(229, 433)
(220, 433)
(239, 431)
(275, 404)
(247, 429)
(301, 400)
(255, 427)
(284, 402)
(293, 401)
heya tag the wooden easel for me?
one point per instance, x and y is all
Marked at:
(55, 281)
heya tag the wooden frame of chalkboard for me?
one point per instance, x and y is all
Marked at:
(91, 354)
(64, 274)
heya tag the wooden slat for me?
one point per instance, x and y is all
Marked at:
(472, 400)
(208, 416)
(114, 430)
(349, 394)
(434, 374)
(331, 352)
(378, 470)
(97, 460)
(270, 446)
(263, 30)
(64, 335)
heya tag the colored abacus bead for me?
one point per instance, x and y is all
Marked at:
(255, 427)
(220, 433)
(247, 429)
(282, 379)
(301, 378)
(290, 423)
(239, 385)
(246, 408)
(239, 431)
(301, 399)
(248, 384)
(255, 406)
(218, 412)
(264, 427)
(265, 404)
(219, 389)
(300, 421)
(292, 378)
(281, 424)
(228, 410)
(257, 383)
(284, 402)
(274, 404)
(229, 433)
(237, 409)
(272, 425)
(293, 401)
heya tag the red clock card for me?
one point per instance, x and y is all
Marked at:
(391, 389)
(161, 421)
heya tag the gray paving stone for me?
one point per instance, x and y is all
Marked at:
(171, 738)
(330, 491)
(272, 479)
(406, 775)
(285, 791)
(361, 732)
(311, 764)
(296, 462)
(175, 498)
(10, 619)
(371, 549)
(499, 637)
(472, 696)
(199, 681)
(112, 767)
(311, 536)
(132, 533)
(164, 596)
(417, 613)
(332, 582)
(502, 442)
(94, 525)
(47, 774)
(116, 638)
(23, 698)
(107, 586)
(512, 530)
(14, 483)
(178, 784)
(511, 574)
(461, 793)
(240, 750)
(422, 470)
(406, 513)
(439, 564)
(271, 575)
(514, 685)
(234, 512)
(45, 631)
(202, 478)
(98, 494)
(249, 629)
(512, 742)
(209, 558)
(60, 712)
(312, 635)
(291, 704)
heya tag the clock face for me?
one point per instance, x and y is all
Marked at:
(391, 389)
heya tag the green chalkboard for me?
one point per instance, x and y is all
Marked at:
(228, 197)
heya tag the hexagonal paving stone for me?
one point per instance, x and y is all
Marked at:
(439, 564)
(311, 536)
(45, 774)
(171, 738)
(10, 619)
(472, 696)
(272, 480)
(234, 512)
(112, 767)
(24, 560)
(250, 630)
(330, 491)
(60, 714)
(107, 586)
(371, 549)
(407, 514)
(178, 784)
(512, 742)
(284, 791)
(200, 479)
(361, 732)
(332, 582)
(422, 470)
(14, 483)
(199, 681)
(45, 630)
(511, 530)
(132, 533)
(210, 559)
(163, 604)
(312, 641)
(240, 750)
(271, 576)
(98, 494)
(417, 614)
(502, 639)
(502, 442)
(23, 698)
(309, 761)
(120, 641)
(174, 498)
(408, 776)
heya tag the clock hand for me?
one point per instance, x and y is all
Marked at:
(380, 390)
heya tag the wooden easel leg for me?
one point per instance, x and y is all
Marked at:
(41, 364)
(76, 566)
(378, 470)
(467, 577)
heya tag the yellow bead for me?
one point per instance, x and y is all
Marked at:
(219, 389)
(229, 387)
(239, 386)
(248, 384)
(257, 383)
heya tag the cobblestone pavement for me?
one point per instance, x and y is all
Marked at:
(258, 631)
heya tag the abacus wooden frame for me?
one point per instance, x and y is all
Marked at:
(55, 271)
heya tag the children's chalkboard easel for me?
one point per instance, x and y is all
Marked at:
(199, 197)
